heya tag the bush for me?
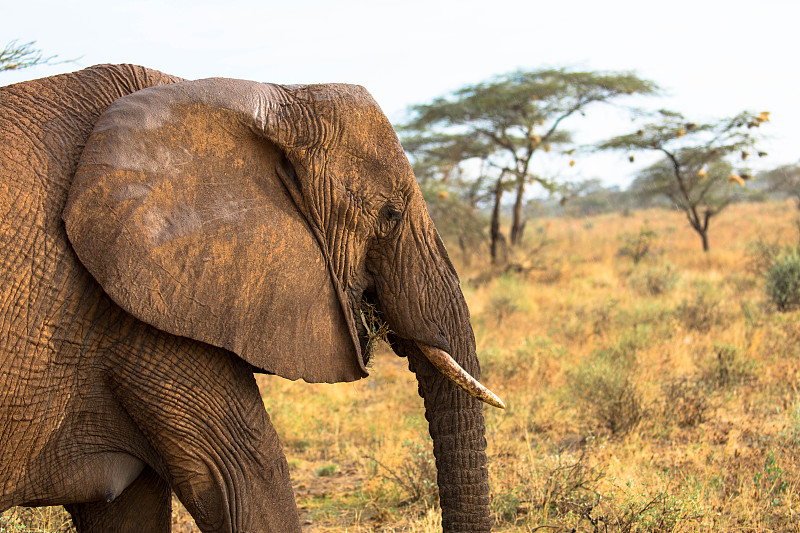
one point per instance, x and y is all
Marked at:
(327, 470)
(456, 219)
(729, 366)
(416, 478)
(684, 403)
(639, 246)
(783, 280)
(701, 312)
(638, 509)
(761, 253)
(556, 488)
(606, 387)
(36, 519)
(530, 360)
(659, 279)
(506, 298)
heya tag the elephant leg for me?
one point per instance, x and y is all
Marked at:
(201, 411)
(245, 488)
(146, 505)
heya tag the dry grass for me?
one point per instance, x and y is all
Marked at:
(660, 396)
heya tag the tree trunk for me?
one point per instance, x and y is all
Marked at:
(704, 237)
(701, 227)
(702, 232)
(517, 223)
(496, 237)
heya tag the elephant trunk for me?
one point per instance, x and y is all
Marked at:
(457, 428)
(456, 425)
(430, 312)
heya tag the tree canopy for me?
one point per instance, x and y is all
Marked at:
(503, 122)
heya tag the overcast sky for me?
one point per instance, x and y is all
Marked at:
(712, 58)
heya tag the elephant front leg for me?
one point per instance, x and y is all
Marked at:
(202, 412)
(236, 484)
(145, 505)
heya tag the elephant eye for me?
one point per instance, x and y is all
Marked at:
(392, 211)
(390, 216)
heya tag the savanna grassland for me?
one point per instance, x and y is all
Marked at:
(650, 387)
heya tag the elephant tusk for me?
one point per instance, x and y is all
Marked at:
(445, 364)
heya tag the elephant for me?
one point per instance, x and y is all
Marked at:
(163, 240)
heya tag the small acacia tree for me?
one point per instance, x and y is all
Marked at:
(503, 122)
(696, 173)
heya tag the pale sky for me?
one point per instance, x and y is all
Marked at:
(712, 58)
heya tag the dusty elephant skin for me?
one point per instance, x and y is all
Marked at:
(163, 239)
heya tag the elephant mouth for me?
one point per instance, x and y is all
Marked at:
(370, 326)
(372, 329)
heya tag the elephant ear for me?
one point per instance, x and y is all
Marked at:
(180, 210)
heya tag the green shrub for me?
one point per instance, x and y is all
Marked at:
(783, 280)
(639, 246)
(327, 470)
(657, 280)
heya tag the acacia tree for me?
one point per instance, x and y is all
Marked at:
(510, 118)
(696, 173)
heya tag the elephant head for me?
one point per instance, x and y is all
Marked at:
(258, 218)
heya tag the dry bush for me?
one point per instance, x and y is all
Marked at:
(556, 490)
(727, 367)
(702, 311)
(605, 388)
(760, 254)
(684, 403)
(639, 246)
(645, 510)
(529, 363)
(415, 477)
(36, 520)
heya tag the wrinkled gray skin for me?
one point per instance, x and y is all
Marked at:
(112, 389)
